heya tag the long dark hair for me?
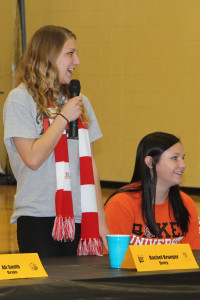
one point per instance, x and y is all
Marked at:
(154, 144)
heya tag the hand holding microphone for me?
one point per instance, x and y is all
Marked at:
(74, 89)
(73, 108)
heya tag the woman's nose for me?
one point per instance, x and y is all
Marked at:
(182, 164)
(76, 60)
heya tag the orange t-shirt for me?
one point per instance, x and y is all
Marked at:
(124, 216)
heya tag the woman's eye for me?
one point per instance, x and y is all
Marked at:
(174, 157)
(70, 53)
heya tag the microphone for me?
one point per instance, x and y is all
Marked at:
(74, 89)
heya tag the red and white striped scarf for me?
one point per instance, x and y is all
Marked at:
(64, 224)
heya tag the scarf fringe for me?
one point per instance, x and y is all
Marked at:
(63, 229)
(91, 246)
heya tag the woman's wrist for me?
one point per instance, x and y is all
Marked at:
(63, 117)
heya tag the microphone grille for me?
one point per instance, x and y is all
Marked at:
(75, 86)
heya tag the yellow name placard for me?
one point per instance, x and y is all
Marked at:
(25, 265)
(159, 257)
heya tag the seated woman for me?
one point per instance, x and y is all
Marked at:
(151, 208)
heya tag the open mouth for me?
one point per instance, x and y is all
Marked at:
(70, 70)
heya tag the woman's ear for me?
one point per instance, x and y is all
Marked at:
(148, 162)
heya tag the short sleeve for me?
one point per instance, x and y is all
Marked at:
(119, 214)
(19, 118)
(193, 235)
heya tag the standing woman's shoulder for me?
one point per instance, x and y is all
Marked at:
(19, 104)
(19, 95)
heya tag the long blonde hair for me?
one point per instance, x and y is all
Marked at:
(38, 70)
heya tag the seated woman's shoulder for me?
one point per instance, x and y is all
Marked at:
(187, 200)
(186, 197)
(126, 195)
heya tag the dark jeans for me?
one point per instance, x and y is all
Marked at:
(34, 235)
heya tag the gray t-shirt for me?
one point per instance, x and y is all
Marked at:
(35, 195)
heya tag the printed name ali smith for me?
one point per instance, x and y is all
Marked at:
(10, 267)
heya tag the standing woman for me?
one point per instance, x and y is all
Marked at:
(58, 190)
(151, 208)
